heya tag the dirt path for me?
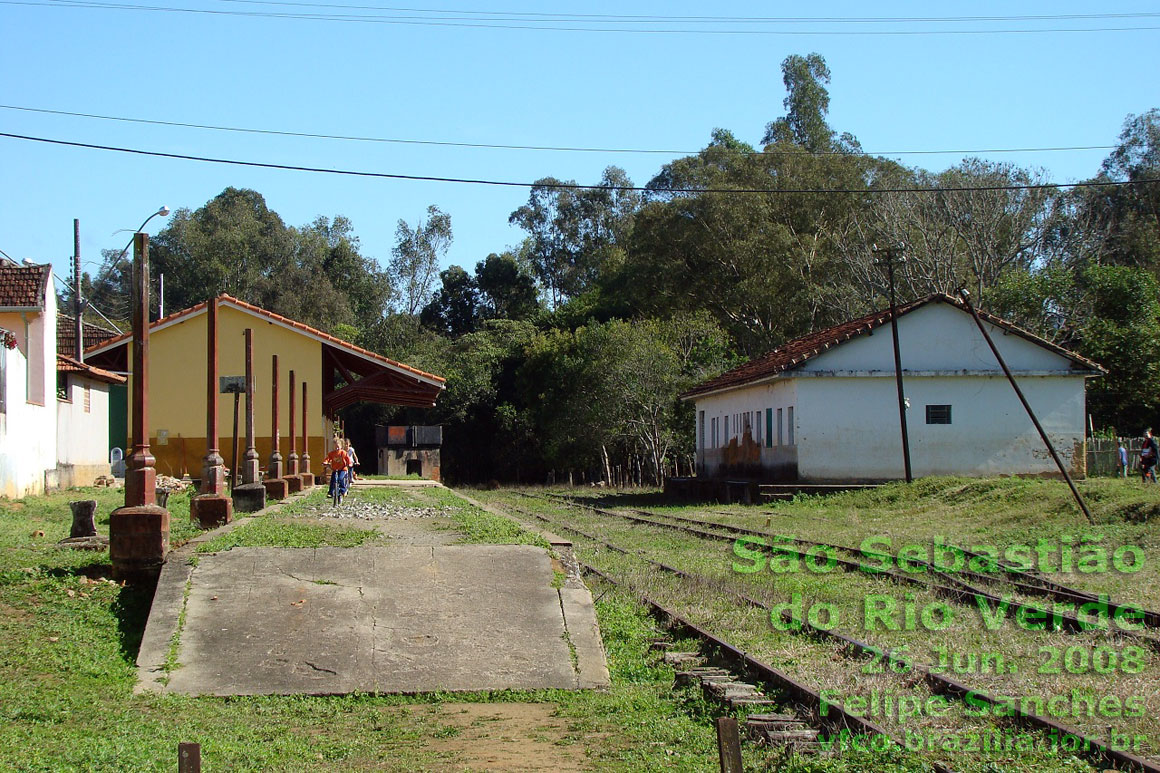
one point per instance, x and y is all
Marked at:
(505, 737)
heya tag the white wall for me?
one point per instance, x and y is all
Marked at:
(936, 338)
(849, 427)
(719, 454)
(846, 406)
(28, 429)
(82, 438)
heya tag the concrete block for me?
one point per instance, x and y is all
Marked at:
(249, 497)
(277, 488)
(209, 511)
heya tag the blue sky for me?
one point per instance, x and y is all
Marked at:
(607, 89)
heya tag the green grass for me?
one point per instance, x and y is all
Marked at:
(271, 531)
(67, 672)
(998, 512)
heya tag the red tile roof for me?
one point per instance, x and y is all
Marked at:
(69, 365)
(23, 287)
(66, 334)
(793, 353)
(231, 301)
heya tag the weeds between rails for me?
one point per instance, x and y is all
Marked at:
(958, 590)
(1094, 749)
(1029, 582)
(838, 719)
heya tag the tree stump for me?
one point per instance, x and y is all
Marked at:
(84, 518)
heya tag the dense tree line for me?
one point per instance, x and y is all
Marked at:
(566, 353)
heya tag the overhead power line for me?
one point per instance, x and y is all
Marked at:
(496, 146)
(524, 23)
(571, 186)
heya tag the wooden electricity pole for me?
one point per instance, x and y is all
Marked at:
(890, 255)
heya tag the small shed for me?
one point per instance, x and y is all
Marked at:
(824, 408)
(409, 450)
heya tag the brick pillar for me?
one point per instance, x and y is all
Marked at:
(276, 485)
(251, 495)
(211, 507)
(304, 462)
(139, 531)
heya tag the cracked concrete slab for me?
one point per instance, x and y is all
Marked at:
(376, 619)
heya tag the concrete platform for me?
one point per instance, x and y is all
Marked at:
(379, 619)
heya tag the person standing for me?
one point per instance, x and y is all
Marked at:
(1123, 457)
(1148, 457)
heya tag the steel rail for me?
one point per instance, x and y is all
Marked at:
(1042, 586)
(1091, 747)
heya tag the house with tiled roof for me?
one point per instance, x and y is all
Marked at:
(27, 378)
(335, 373)
(54, 409)
(823, 408)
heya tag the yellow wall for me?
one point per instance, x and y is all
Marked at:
(177, 389)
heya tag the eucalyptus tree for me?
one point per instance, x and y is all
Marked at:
(575, 233)
(415, 259)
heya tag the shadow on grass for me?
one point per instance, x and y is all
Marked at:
(131, 608)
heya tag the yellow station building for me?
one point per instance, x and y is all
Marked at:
(336, 373)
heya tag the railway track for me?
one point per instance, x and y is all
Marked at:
(954, 588)
(1095, 749)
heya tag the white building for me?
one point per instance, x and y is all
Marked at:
(824, 408)
(27, 378)
(54, 411)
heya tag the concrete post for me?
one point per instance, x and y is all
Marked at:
(292, 477)
(139, 531)
(304, 462)
(251, 495)
(211, 507)
(276, 485)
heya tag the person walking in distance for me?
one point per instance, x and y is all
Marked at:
(1148, 457)
(1123, 459)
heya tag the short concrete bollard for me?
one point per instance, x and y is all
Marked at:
(84, 514)
(249, 497)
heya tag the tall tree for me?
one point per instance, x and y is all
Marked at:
(414, 265)
(507, 288)
(574, 232)
(1130, 214)
(807, 102)
(453, 310)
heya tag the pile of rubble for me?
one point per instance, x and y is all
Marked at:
(378, 511)
(166, 483)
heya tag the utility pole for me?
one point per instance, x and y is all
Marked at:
(890, 255)
(78, 307)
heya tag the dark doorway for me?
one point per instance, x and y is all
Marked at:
(415, 467)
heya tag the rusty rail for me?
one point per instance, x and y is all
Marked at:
(1092, 748)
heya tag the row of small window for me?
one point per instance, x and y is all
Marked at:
(776, 430)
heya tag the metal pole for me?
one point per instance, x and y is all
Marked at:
(78, 308)
(889, 260)
(234, 463)
(1026, 406)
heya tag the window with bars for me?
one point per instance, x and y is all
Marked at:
(938, 414)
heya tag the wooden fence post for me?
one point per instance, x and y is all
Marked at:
(189, 758)
(729, 745)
